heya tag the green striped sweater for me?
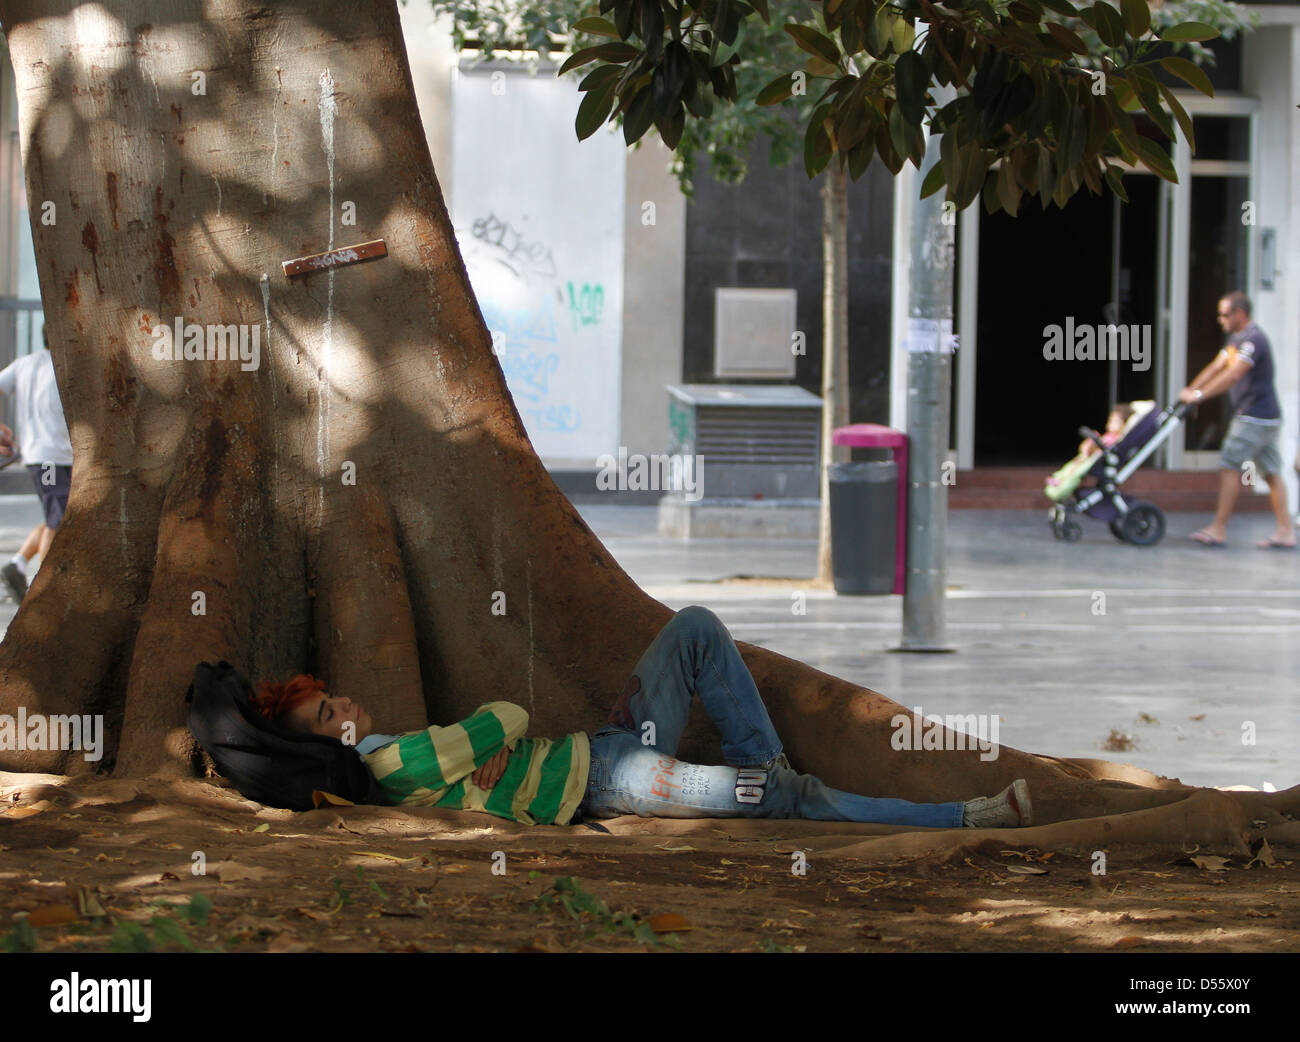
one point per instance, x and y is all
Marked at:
(543, 783)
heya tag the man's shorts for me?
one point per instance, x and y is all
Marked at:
(54, 496)
(1251, 441)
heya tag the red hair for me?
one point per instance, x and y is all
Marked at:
(274, 700)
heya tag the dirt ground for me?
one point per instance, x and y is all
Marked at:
(101, 865)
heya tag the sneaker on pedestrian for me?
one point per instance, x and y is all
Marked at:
(15, 581)
(1009, 809)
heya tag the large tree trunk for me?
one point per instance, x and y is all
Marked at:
(197, 477)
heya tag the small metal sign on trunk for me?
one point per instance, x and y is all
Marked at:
(335, 258)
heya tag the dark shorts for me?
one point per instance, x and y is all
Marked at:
(54, 497)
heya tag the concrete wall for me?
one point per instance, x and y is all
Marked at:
(653, 295)
(431, 56)
(1272, 73)
(654, 253)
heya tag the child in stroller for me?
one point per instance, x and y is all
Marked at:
(1066, 480)
(1110, 460)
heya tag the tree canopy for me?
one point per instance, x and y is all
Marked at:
(1052, 95)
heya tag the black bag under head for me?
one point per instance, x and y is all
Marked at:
(265, 762)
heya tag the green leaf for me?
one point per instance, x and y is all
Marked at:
(817, 149)
(593, 111)
(860, 156)
(600, 77)
(197, 910)
(1008, 190)
(1190, 73)
(1061, 7)
(904, 35)
(933, 180)
(1137, 17)
(671, 127)
(811, 41)
(130, 937)
(22, 938)
(1180, 114)
(1067, 37)
(911, 81)
(596, 26)
(1115, 178)
(1046, 176)
(898, 130)
(639, 116)
(777, 91)
(1110, 27)
(1189, 32)
(167, 930)
(1156, 159)
(618, 53)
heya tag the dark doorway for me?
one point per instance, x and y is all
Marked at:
(1042, 269)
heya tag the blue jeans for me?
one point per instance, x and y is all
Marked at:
(634, 768)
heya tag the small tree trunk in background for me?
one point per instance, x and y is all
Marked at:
(835, 355)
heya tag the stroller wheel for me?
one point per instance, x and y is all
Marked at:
(1144, 524)
(1071, 531)
(1117, 530)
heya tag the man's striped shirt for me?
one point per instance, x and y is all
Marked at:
(543, 783)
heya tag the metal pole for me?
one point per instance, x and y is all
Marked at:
(929, 391)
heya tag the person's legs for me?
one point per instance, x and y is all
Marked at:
(1269, 461)
(14, 573)
(31, 545)
(1285, 533)
(694, 654)
(628, 777)
(1238, 446)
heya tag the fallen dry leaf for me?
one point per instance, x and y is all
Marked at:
(1264, 856)
(263, 827)
(28, 810)
(1209, 862)
(1198, 716)
(675, 850)
(1026, 870)
(383, 857)
(669, 922)
(52, 915)
(319, 798)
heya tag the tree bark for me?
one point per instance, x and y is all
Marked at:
(355, 505)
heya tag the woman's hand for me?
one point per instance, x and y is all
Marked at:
(490, 773)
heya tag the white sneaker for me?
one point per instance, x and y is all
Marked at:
(1009, 809)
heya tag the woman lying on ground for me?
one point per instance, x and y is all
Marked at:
(628, 767)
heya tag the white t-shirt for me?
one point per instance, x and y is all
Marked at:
(42, 432)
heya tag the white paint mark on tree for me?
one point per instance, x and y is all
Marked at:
(328, 109)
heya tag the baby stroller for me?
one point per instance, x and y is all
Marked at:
(1097, 492)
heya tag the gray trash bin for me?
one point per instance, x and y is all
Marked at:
(864, 519)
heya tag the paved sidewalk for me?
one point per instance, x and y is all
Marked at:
(1188, 632)
(1194, 644)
